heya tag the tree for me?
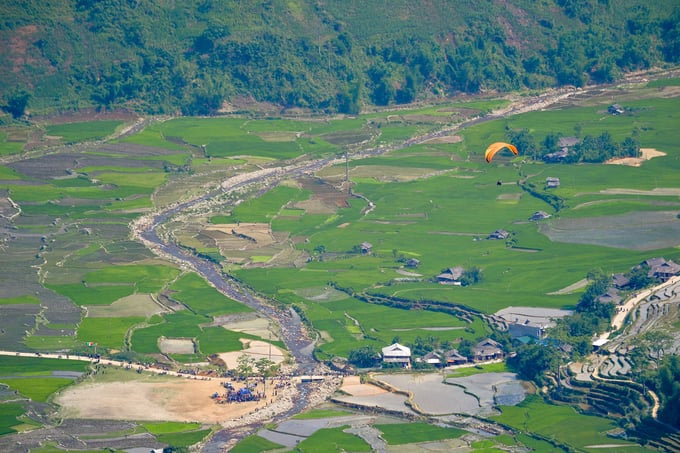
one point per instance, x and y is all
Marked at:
(265, 367)
(465, 347)
(656, 342)
(639, 278)
(551, 143)
(363, 357)
(524, 142)
(533, 360)
(471, 276)
(666, 382)
(245, 365)
(17, 102)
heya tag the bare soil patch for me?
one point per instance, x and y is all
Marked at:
(315, 206)
(256, 349)
(259, 326)
(328, 194)
(446, 139)
(647, 154)
(353, 386)
(258, 233)
(152, 398)
(177, 346)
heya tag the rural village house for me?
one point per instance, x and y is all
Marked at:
(620, 280)
(453, 357)
(564, 143)
(366, 248)
(498, 234)
(412, 262)
(398, 354)
(451, 276)
(615, 109)
(539, 215)
(432, 358)
(552, 182)
(661, 269)
(611, 296)
(487, 349)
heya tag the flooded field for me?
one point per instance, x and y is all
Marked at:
(432, 394)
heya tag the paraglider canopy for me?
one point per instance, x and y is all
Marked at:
(495, 147)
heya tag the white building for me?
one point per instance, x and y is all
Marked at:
(397, 353)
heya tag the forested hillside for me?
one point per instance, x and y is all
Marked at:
(169, 56)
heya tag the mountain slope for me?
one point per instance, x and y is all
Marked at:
(162, 56)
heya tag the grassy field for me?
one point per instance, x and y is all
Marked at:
(410, 433)
(320, 413)
(533, 415)
(255, 444)
(199, 297)
(332, 440)
(78, 132)
(31, 377)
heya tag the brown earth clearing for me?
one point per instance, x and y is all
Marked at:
(153, 398)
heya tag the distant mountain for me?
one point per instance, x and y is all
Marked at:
(194, 56)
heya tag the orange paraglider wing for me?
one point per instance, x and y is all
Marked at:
(495, 147)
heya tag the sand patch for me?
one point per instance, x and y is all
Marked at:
(647, 154)
(151, 398)
(256, 349)
(353, 386)
(258, 327)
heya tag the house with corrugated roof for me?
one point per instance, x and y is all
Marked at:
(487, 349)
(499, 234)
(398, 354)
(661, 269)
(451, 276)
(453, 357)
(539, 215)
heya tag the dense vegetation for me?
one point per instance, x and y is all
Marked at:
(166, 57)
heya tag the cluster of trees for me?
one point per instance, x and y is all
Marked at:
(594, 149)
(248, 366)
(188, 58)
(471, 276)
(666, 383)
(589, 149)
